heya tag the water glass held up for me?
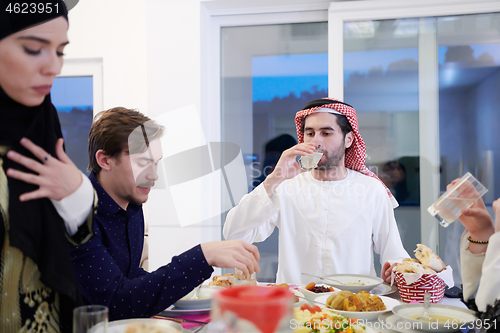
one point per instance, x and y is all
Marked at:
(462, 195)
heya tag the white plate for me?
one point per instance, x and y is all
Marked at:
(383, 289)
(389, 303)
(119, 326)
(369, 282)
(406, 311)
(198, 303)
(311, 296)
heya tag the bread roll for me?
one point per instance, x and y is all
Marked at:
(429, 258)
(410, 267)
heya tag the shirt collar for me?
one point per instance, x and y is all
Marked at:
(106, 204)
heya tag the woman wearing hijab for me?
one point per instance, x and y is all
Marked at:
(480, 261)
(44, 198)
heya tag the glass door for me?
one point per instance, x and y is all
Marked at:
(268, 73)
(425, 92)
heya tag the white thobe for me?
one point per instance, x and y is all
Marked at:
(325, 227)
(480, 272)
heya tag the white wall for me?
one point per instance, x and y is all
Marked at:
(150, 51)
(114, 31)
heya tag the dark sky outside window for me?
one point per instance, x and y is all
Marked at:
(73, 99)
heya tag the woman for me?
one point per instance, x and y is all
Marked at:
(480, 261)
(42, 193)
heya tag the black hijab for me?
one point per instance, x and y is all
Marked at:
(35, 227)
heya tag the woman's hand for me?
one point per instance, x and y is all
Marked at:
(496, 209)
(476, 219)
(56, 177)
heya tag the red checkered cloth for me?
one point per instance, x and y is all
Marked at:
(415, 292)
(356, 154)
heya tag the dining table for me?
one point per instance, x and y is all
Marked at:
(198, 321)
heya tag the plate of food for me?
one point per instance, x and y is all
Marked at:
(353, 282)
(140, 325)
(308, 319)
(198, 298)
(361, 305)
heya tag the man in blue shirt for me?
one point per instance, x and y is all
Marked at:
(124, 150)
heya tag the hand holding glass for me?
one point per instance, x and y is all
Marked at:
(462, 195)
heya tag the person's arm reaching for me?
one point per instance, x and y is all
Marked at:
(102, 282)
(232, 254)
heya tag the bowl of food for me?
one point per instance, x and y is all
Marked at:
(199, 298)
(361, 305)
(313, 290)
(352, 282)
(445, 318)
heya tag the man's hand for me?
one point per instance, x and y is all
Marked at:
(56, 177)
(287, 167)
(386, 272)
(232, 254)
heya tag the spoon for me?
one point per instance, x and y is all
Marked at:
(427, 301)
(322, 278)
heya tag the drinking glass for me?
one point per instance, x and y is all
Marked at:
(310, 161)
(90, 319)
(462, 195)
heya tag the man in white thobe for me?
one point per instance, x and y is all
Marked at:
(330, 219)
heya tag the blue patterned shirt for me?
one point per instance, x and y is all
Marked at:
(107, 267)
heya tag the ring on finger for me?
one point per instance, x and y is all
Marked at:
(45, 159)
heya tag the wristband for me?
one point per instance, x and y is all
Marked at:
(477, 241)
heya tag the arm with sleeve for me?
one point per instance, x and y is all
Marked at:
(135, 293)
(254, 218)
(76, 207)
(385, 233)
(482, 272)
(474, 263)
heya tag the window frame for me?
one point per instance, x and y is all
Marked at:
(215, 15)
(87, 67)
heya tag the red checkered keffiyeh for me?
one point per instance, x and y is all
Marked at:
(356, 154)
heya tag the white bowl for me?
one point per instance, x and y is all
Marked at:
(389, 303)
(458, 317)
(311, 296)
(353, 282)
(202, 300)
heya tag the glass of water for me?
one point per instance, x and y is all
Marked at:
(448, 208)
(90, 319)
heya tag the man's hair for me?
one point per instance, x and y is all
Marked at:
(342, 120)
(113, 129)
